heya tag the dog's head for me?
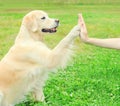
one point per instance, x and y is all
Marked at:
(38, 21)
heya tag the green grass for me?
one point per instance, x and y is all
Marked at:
(93, 76)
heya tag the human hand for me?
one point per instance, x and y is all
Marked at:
(83, 32)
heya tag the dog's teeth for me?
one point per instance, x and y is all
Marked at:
(49, 30)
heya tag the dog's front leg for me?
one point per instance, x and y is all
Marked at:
(57, 57)
(1, 98)
(38, 95)
(62, 52)
(3, 102)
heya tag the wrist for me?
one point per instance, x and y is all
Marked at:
(86, 39)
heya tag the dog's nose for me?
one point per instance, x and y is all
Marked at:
(57, 21)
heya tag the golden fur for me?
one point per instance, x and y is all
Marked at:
(27, 64)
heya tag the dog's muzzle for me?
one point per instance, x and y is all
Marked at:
(51, 30)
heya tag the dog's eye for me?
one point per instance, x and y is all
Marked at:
(43, 18)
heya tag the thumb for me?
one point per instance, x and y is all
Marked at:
(81, 23)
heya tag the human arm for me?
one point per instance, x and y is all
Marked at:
(107, 43)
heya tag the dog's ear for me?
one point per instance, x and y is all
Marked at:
(31, 23)
(34, 26)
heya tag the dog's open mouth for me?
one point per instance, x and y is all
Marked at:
(51, 30)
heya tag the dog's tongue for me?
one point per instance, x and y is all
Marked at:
(49, 30)
(53, 29)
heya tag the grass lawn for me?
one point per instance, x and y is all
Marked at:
(92, 78)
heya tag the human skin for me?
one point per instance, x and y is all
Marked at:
(113, 43)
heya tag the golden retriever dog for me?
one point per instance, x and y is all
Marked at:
(26, 66)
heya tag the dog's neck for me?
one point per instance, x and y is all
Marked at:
(36, 36)
(25, 35)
